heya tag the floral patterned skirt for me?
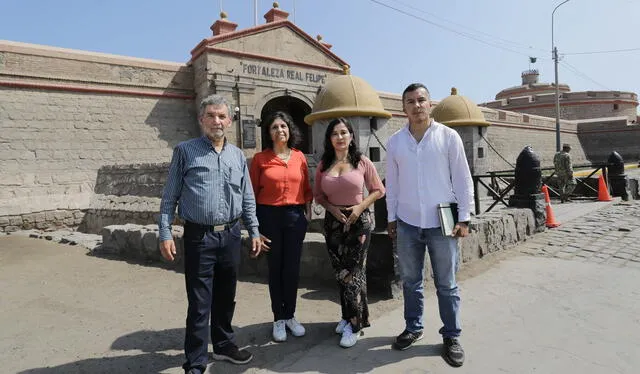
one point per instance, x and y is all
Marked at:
(348, 247)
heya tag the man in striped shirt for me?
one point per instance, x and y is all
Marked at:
(209, 182)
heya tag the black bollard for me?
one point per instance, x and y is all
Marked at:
(528, 181)
(383, 275)
(619, 183)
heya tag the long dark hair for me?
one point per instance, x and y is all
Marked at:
(329, 154)
(294, 133)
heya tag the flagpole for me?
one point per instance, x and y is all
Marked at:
(255, 12)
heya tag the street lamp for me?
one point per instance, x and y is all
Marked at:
(554, 53)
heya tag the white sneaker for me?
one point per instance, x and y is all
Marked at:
(295, 327)
(349, 338)
(279, 331)
(341, 325)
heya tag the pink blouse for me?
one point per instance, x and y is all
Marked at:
(347, 189)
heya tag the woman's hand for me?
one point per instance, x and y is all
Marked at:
(337, 213)
(356, 211)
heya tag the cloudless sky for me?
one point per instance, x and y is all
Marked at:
(478, 46)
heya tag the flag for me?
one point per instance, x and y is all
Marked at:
(532, 60)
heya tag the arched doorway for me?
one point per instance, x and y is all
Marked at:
(297, 109)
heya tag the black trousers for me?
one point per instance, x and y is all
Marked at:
(211, 262)
(286, 226)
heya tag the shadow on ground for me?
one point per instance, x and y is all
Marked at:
(156, 351)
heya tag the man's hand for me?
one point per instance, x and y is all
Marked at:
(168, 249)
(259, 245)
(460, 230)
(391, 229)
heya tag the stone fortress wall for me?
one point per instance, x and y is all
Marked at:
(65, 114)
(573, 105)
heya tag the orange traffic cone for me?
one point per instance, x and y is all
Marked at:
(551, 218)
(603, 191)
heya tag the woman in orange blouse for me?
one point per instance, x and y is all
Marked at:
(280, 179)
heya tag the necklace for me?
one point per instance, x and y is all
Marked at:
(284, 156)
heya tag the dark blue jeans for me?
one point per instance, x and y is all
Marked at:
(286, 226)
(211, 261)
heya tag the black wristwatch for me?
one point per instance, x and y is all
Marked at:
(466, 223)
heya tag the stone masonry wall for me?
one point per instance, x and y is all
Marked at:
(582, 111)
(573, 105)
(66, 114)
(510, 132)
(599, 139)
(126, 194)
(491, 232)
(44, 220)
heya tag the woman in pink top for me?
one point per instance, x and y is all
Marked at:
(340, 178)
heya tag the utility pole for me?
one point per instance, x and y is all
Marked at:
(554, 52)
(555, 63)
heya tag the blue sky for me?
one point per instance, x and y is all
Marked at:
(480, 47)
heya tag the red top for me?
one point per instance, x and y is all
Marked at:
(279, 183)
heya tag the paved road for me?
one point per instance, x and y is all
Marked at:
(609, 236)
(565, 301)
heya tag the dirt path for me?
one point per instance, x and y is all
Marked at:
(62, 311)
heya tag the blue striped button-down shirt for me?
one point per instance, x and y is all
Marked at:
(210, 188)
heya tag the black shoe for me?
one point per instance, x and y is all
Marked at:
(231, 353)
(406, 340)
(452, 352)
(194, 371)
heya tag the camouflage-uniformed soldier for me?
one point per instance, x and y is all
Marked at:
(564, 171)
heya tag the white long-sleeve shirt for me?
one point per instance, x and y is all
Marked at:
(420, 176)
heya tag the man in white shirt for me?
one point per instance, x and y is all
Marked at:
(426, 166)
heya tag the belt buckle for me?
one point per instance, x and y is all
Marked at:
(218, 228)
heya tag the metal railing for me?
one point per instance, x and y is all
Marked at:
(500, 183)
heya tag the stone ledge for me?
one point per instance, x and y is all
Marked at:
(491, 232)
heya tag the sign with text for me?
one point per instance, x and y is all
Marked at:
(268, 71)
(248, 133)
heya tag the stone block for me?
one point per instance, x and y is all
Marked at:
(49, 215)
(469, 248)
(15, 221)
(39, 217)
(150, 245)
(29, 218)
(133, 244)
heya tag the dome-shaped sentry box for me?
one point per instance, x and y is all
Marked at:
(353, 98)
(463, 115)
(457, 110)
